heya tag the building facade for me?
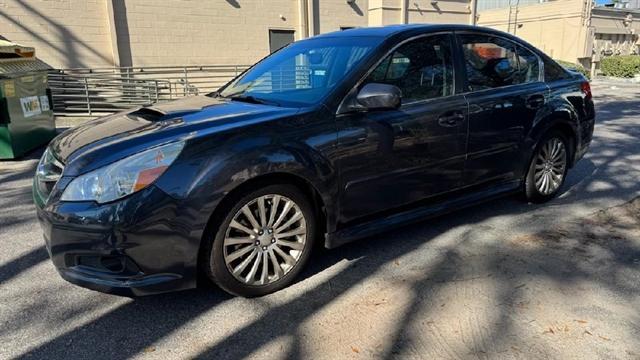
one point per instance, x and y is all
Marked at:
(570, 30)
(106, 33)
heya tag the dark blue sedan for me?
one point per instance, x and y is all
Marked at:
(328, 140)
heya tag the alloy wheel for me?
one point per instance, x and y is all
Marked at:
(265, 240)
(550, 165)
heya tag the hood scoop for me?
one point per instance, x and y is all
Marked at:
(149, 114)
(173, 109)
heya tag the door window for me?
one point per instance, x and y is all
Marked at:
(493, 62)
(422, 69)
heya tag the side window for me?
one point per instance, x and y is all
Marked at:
(493, 62)
(422, 69)
(553, 71)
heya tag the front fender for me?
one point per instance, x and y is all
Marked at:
(204, 174)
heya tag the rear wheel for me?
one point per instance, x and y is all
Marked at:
(263, 242)
(548, 168)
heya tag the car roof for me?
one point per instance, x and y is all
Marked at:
(389, 30)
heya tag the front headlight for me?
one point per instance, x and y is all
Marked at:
(123, 177)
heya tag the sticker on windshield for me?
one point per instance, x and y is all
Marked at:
(30, 106)
(44, 103)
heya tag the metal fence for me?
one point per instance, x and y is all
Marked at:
(92, 92)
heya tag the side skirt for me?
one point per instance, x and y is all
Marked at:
(369, 228)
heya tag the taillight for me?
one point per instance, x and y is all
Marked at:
(586, 90)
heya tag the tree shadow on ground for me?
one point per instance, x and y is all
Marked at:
(606, 173)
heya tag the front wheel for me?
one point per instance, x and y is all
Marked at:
(548, 168)
(263, 242)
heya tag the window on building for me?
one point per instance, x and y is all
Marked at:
(280, 38)
(493, 62)
(422, 69)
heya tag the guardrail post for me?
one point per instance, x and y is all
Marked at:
(186, 81)
(86, 93)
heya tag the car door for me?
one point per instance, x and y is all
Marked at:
(391, 158)
(505, 92)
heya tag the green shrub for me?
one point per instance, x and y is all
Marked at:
(574, 67)
(620, 66)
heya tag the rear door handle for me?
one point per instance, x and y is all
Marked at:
(535, 101)
(451, 119)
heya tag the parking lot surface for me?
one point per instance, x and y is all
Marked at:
(504, 279)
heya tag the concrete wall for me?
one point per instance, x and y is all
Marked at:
(616, 32)
(102, 33)
(65, 33)
(450, 11)
(387, 12)
(559, 28)
(336, 14)
(176, 32)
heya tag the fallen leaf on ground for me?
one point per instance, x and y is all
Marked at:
(355, 350)
(581, 321)
(149, 349)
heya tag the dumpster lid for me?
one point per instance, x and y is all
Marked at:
(15, 58)
(11, 50)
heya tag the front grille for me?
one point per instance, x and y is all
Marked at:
(48, 173)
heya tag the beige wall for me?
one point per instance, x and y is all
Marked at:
(101, 33)
(176, 32)
(65, 33)
(334, 14)
(387, 12)
(559, 28)
(450, 11)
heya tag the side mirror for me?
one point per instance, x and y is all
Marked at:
(374, 96)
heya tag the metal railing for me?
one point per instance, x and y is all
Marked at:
(93, 92)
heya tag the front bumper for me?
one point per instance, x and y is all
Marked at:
(142, 244)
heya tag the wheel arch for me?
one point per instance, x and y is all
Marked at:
(562, 120)
(280, 177)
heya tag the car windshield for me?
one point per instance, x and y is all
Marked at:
(302, 73)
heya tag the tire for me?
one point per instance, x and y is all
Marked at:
(235, 245)
(547, 169)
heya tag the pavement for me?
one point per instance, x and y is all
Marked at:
(504, 279)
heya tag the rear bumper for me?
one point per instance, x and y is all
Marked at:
(140, 245)
(587, 127)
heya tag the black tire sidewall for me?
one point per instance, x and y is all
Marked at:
(531, 192)
(216, 268)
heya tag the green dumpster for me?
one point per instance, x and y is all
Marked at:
(26, 114)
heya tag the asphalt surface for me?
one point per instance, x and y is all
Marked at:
(465, 285)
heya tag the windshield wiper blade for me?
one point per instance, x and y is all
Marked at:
(252, 99)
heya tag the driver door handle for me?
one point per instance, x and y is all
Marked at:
(451, 119)
(535, 101)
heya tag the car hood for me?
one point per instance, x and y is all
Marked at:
(104, 140)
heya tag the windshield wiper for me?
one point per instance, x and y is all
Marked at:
(251, 99)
